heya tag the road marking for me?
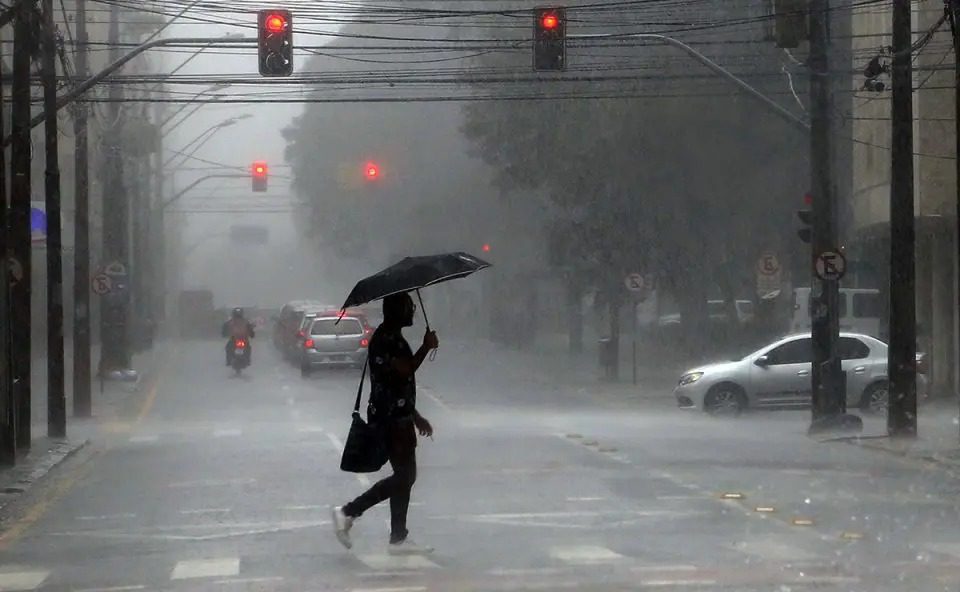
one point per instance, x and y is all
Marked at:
(143, 439)
(107, 517)
(23, 580)
(677, 583)
(305, 508)
(262, 580)
(227, 433)
(206, 511)
(148, 402)
(338, 444)
(528, 571)
(310, 430)
(395, 589)
(39, 509)
(397, 562)
(206, 568)
(663, 568)
(585, 554)
(211, 483)
(586, 499)
(111, 589)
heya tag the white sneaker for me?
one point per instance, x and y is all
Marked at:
(408, 547)
(342, 525)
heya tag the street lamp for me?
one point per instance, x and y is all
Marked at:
(205, 136)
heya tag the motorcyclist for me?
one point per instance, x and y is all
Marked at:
(237, 327)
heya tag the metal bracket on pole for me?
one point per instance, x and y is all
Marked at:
(716, 68)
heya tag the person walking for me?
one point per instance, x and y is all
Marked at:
(393, 406)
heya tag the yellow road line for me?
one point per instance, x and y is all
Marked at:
(149, 401)
(39, 509)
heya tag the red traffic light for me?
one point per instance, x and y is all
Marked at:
(371, 170)
(486, 248)
(275, 23)
(259, 168)
(807, 199)
(549, 21)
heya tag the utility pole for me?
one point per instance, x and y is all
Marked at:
(953, 12)
(8, 424)
(82, 404)
(24, 44)
(902, 360)
(114, 338)
(56, 393)
(828, 388)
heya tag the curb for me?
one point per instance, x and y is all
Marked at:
(20, 479)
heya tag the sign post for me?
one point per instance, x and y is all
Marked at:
(636, 286)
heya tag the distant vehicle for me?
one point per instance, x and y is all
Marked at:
(778, 376)
(287, 325)
(240, 355)
(333, 340)
(717, 313)
(196, 314)
(860, 311)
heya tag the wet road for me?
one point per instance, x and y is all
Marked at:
(220, 483)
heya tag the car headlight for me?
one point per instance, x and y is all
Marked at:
(690, 378)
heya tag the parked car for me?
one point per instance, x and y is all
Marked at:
(778, 376)
(335, 340)
(716, 313)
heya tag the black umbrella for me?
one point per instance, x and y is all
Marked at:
(414, 273)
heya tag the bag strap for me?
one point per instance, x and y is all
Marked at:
(363, 375)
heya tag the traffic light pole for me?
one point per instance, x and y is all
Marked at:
(8, 426)
(714, 67)
(828, 388)
(902, 352)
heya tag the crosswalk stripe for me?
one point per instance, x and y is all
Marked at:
(397, 562)
(585, 554)
(206, 568)
(23, 580)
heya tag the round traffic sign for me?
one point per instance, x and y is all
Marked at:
(830, 265)
(768, 264)
(634, 282)
(101, 284)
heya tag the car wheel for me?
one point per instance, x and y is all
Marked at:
(725, 399)
(876, 398)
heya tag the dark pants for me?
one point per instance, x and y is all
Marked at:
(402, 442)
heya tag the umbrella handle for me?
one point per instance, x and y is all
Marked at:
(423, 310)
(433, 353)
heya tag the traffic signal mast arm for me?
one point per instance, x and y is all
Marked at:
(716, 68)
(78, 91)
(201, 180)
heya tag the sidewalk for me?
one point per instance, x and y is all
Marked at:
(938, 439)
(45, 453)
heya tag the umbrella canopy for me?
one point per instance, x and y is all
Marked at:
(412, 274)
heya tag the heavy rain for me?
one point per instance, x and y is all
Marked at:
(479, 295)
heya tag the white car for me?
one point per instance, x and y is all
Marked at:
(778, 376)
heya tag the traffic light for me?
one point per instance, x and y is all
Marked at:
(259, 176)
(275, 42)
(371, 171)
(549, 38)
(806, 220)
(486, 247)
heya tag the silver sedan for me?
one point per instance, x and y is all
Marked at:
(778, 376)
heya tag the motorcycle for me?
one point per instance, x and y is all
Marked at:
(241, 355)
